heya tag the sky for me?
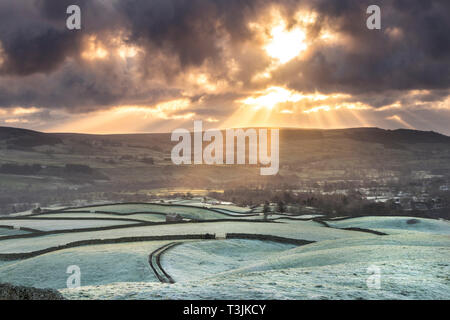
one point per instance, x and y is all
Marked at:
(158, 65)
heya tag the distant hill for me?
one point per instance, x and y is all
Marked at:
(397, 136)
(305, 155)
(374, 135)
(29, 138)
(38, 167)
(21, 138)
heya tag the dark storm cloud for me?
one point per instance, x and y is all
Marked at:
(81, 89)
(42, 65)
(373, 60)
(42, 51)
(51, 9)
(30, 42)
(191, 29)
(34, 36)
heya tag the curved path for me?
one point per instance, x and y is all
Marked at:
(154, 259)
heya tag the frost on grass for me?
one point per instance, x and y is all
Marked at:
(99, 265)
(396, 224)
(303, 230)
(49, 225)
(196, 260)
(149, 217)
(11, 232)
(413, 260)
(333, 269)
(344, 281)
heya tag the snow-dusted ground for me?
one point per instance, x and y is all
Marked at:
(362, 251)
(231, 208)
(396, 224)
(398, 280)
(240, 269)
(10, 232)
(99, 265)
(49, 225)
(185, 210)
(303, 230)
(225, 207)
(413, 259)
(139, 216)
(196, 260)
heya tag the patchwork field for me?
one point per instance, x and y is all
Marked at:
(50, 225)
(143, 217)
(186, 211)
(99, 264)
(286, 257)
(396, 224)
(4, 231)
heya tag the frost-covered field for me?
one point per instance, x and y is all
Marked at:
(99, 265)
(197, 260)
(302, 230)
(183, 210)
(396, 224)
(48, 225)
(138, 216)
(10, 232)
(412, 259)
(399, 280)
(233, 269)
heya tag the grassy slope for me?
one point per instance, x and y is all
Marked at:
(305, 154)
(49, 225)
(297, 230)
(396, 224)
(101, 264)
(412, 267)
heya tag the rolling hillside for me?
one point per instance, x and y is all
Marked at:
(32, 163)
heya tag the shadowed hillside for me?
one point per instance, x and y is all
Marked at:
(81, 166)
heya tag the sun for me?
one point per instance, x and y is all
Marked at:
(285, 44)
(270, 98)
